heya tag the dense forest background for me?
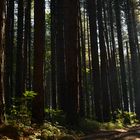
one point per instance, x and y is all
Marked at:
(78, 56)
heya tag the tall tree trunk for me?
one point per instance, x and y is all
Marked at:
(71, 51)
(81, 94)
(104, 78)
(60, 56)
(134, 23)
(130, 85)
(39, 46)
(83, 60)
(8, 54)
(133, 52)
(27, 47)
(115, 95)
(29, 26)
(2, 3)
(95, 59)
(53, 53)
(90, 81)
(121, 54)
(82, 111)
(19, 58)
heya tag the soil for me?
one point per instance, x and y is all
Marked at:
(132, 133)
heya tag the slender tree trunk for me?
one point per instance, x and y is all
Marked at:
(131, 95)
(82, 111)
(133, 52)
(121, 55)
(60, 55)
(104, 78)
(83, 62)
(39, 46)
(90, 84)
(19, 51)
(108, 47)
(95, 59)
(132, 3)
(115, 95)
(53, 53)
(2, 3)
(81, 94)
(8, 54)
(27, 45)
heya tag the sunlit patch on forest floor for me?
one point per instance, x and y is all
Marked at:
(44, 132)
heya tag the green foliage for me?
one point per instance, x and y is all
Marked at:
(55, 115)
(29, 95)
(52, 130)
(56, 132)
(111, 125)
(125, 117)
(87, 125)
(20, 112)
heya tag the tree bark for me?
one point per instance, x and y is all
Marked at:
(71, 51)
(104, 77)
(53, 53)
(8, 54)
(1, 54)
(95, 59)
(19, 51)
(121, 55)
(39, 45)
(60, 55)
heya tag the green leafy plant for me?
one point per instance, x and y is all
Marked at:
(29, 95)
(21, 108)
(111, 125)
(51, 130)
(124, 117)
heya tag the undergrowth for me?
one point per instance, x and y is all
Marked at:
(19, 118)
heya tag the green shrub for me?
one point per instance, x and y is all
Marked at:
(111, 126)
(125, 117)
(21, 108)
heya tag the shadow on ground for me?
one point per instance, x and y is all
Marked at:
(118, 134)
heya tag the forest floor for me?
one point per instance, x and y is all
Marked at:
(9, 132)
(130, 133)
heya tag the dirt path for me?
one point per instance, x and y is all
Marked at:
(118, 134)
